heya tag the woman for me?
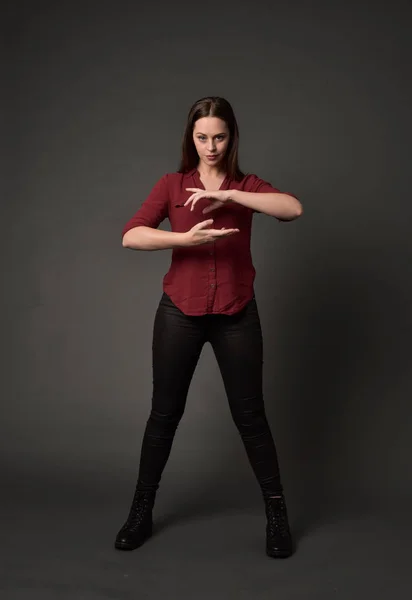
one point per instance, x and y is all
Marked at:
(208, 296)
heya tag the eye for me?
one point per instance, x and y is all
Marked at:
(220, 137)
(201, 138)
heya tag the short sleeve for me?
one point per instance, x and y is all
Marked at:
(255, 184)
(153, 210)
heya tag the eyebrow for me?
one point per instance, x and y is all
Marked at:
(200, 133)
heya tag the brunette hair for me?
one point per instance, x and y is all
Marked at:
(211, 106)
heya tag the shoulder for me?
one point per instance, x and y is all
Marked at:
(176, 179)
(249, 182)
(253, 183)
(178, 176)
(176, 182)
(249, 179)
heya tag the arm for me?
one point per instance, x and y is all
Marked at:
(275, 204)
(140, 232)
(148, 238)
(259, 196)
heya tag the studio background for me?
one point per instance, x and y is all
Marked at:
(99, 97)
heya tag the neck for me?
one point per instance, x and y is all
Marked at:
(206, 171)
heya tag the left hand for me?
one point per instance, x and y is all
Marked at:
(218, 197)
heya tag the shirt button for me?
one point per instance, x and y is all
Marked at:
(212, 268)
(212, 285)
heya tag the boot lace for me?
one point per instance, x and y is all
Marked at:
(141, 505)
(277, 517)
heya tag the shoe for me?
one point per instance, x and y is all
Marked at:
(139, 525)
(278, 537)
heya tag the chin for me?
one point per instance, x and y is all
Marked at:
(213, 162)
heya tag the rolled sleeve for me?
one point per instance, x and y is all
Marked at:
(153, 210)
(258, 185)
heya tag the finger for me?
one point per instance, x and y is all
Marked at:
(211, 208)
(204, 224)
(217, 231)
(195, 201)
(189, 200)
(193, 190)
(223, 232)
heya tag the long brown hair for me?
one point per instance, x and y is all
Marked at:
(212, 106)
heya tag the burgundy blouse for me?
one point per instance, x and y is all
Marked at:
(213, 278)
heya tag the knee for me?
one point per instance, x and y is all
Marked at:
(250, 421)
(164, 421)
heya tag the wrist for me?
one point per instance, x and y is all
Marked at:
(231, 195)
(182, 240)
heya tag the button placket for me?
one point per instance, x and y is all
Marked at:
(212, 283)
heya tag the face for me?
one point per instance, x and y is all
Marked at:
(211, 138)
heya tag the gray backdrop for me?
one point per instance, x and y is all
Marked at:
(99, 96)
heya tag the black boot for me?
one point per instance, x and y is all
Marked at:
(278, 536)
(139, 524)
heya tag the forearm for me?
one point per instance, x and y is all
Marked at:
(281, 206)
(147, 238)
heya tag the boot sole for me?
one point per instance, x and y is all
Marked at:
(130, 546)
(279, 553)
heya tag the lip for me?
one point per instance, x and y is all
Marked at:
(212, 156)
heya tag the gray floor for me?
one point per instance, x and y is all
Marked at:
(205, 547)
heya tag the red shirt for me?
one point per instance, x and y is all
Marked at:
(212, 278)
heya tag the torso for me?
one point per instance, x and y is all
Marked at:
(215, 278)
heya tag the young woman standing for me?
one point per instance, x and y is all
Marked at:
(208, 296)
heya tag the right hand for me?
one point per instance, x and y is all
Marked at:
(202, 233)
